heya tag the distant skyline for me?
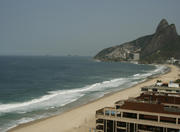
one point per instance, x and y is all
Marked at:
(78, 27)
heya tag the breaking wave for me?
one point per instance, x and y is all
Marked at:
(63, 97)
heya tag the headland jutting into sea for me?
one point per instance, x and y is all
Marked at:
(148, 49)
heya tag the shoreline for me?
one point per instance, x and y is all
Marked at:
(81, 124)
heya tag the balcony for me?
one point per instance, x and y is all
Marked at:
(141, 117)
(99, 127)
(100, 112)
(99, 121)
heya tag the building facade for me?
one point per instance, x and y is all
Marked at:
(150, 112)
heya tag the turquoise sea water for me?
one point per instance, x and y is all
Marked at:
(37, 87)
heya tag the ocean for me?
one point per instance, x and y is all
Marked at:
(33, 87)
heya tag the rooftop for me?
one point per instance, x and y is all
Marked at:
(160, 98)
(161, 87)
(153, 102)
(147, 107)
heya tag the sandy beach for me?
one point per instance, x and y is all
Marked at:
(82, 118)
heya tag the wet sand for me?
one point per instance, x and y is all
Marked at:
(82, 118)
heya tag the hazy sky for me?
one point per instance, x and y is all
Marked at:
(78, 27)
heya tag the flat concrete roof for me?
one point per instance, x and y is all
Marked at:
(160, 88)
(147, 107)
(160, 98)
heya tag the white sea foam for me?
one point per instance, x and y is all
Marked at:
(24, 120)
(17, 122)
(159, 69)
(63, 97)
(135, 75)
(58, 98)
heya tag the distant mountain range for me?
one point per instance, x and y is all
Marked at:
(155, 48)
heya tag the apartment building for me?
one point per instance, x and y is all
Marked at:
(150, 112)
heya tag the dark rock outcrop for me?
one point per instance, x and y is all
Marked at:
(155, 48)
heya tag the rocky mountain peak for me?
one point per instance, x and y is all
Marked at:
(162, 26)
(173, 29)
(163, 22)
(154, 48)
